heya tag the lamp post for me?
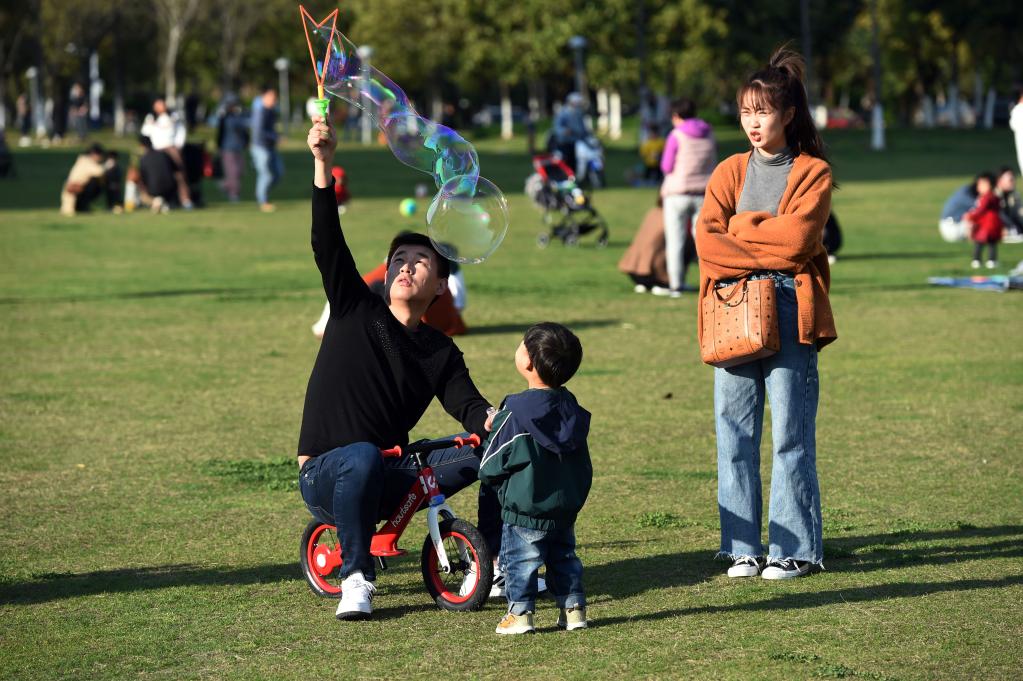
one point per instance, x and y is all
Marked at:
(365, 53)
(578, 45)
(281, 64)
(32, 73)
(877, 115)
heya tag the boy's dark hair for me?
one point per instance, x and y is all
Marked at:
(683, 107)
(145, 141)
(96, 149)
(554, 351)
(416, 239)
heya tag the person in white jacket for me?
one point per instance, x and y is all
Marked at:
(1016, 123)
(167, 132)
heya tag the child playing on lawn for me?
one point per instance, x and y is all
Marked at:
(985, 223)
(538, 462)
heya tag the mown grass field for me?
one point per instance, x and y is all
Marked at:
(152, 372)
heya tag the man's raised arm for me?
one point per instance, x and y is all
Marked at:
(341, 279)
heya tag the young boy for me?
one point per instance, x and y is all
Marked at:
(538, 462)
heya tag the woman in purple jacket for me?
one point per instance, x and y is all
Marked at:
(690, 155)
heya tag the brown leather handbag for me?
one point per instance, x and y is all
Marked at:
(740, 323)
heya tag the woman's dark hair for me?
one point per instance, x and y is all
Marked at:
(983, 175)
(683, 108)
(554, 351)
(779, 86)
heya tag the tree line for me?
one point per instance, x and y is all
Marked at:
(482, 51)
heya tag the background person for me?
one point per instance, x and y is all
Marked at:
(985, 223)
(764, 216)
(951, 225)
(232, 138)
(1010, 208)
(167, 133)
(157, 183)
(84, 182)
(690, 155)
(269, 168)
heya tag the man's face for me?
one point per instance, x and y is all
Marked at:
(269, 99)
(1007, 181)
(412, 275)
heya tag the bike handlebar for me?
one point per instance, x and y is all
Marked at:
(423, 446)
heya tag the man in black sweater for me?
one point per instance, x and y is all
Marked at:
(376, 373)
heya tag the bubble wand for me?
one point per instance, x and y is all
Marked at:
(320, 70)
(468, 216)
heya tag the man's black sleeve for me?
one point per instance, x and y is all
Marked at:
(460, 397)
(341, 280)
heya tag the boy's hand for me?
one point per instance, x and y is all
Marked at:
(322, 140)
(489, 424)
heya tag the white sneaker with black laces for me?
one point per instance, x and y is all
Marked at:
(497, 588)
(746, 566)
(785, 569)
(356, 598)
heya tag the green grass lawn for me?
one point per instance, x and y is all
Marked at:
(153, 373)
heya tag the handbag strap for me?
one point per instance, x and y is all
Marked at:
(735, 289)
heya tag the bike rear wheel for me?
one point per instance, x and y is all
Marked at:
(467, 586)
(320, 557)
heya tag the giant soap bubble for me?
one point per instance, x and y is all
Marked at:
(468, 217)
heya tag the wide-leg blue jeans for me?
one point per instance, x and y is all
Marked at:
(790, 382)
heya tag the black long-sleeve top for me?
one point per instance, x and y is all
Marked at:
(374, 378)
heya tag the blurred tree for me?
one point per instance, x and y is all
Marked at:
(174, 18)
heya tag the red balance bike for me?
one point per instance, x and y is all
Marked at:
(457, 566)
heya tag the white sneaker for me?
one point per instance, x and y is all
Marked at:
(975, 264)
(785, 569)
(991, 264)
(356, 598)
(746, 566)
(497, 589)
(516, 624)
(832, 259)
(660, 291)
(571, 619)
(639, 288)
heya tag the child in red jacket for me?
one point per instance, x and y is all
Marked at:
(985, 223)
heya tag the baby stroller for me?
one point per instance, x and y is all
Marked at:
(567, 209)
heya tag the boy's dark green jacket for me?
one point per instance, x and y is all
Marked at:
(537, 459)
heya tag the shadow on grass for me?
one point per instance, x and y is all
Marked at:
(58, 585)
(896, 255)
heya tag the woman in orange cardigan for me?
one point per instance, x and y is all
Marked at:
(763, 216)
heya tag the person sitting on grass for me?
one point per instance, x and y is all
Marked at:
(538, 461)
(1010, 207)
(377, 370)
(157, 184)
(84, 182)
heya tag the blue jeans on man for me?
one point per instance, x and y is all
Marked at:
(354, 487)
(524, 550)
(790, 381)
(269, 169)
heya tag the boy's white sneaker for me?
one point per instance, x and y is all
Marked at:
(975, 264)
(746, 566)
(572, 618)
(991, 264)
(516, 624)
(356, 598)
(785, 569)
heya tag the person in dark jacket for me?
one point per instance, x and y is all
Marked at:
(537, 459)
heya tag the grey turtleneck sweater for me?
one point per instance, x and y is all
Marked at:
(765, 182)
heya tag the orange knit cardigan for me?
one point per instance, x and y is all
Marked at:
(734, 245)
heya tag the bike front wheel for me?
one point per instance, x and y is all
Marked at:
(467, 585)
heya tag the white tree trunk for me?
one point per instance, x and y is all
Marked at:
(615, 116)
(877, 128)
(507, 129)
(602, 111)
(170, 59)
(989, 109)
(953, 104)
(927, 111)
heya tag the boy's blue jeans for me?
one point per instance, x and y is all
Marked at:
(524, 550)
(269, 170)
(789, 379)
(353, 487)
